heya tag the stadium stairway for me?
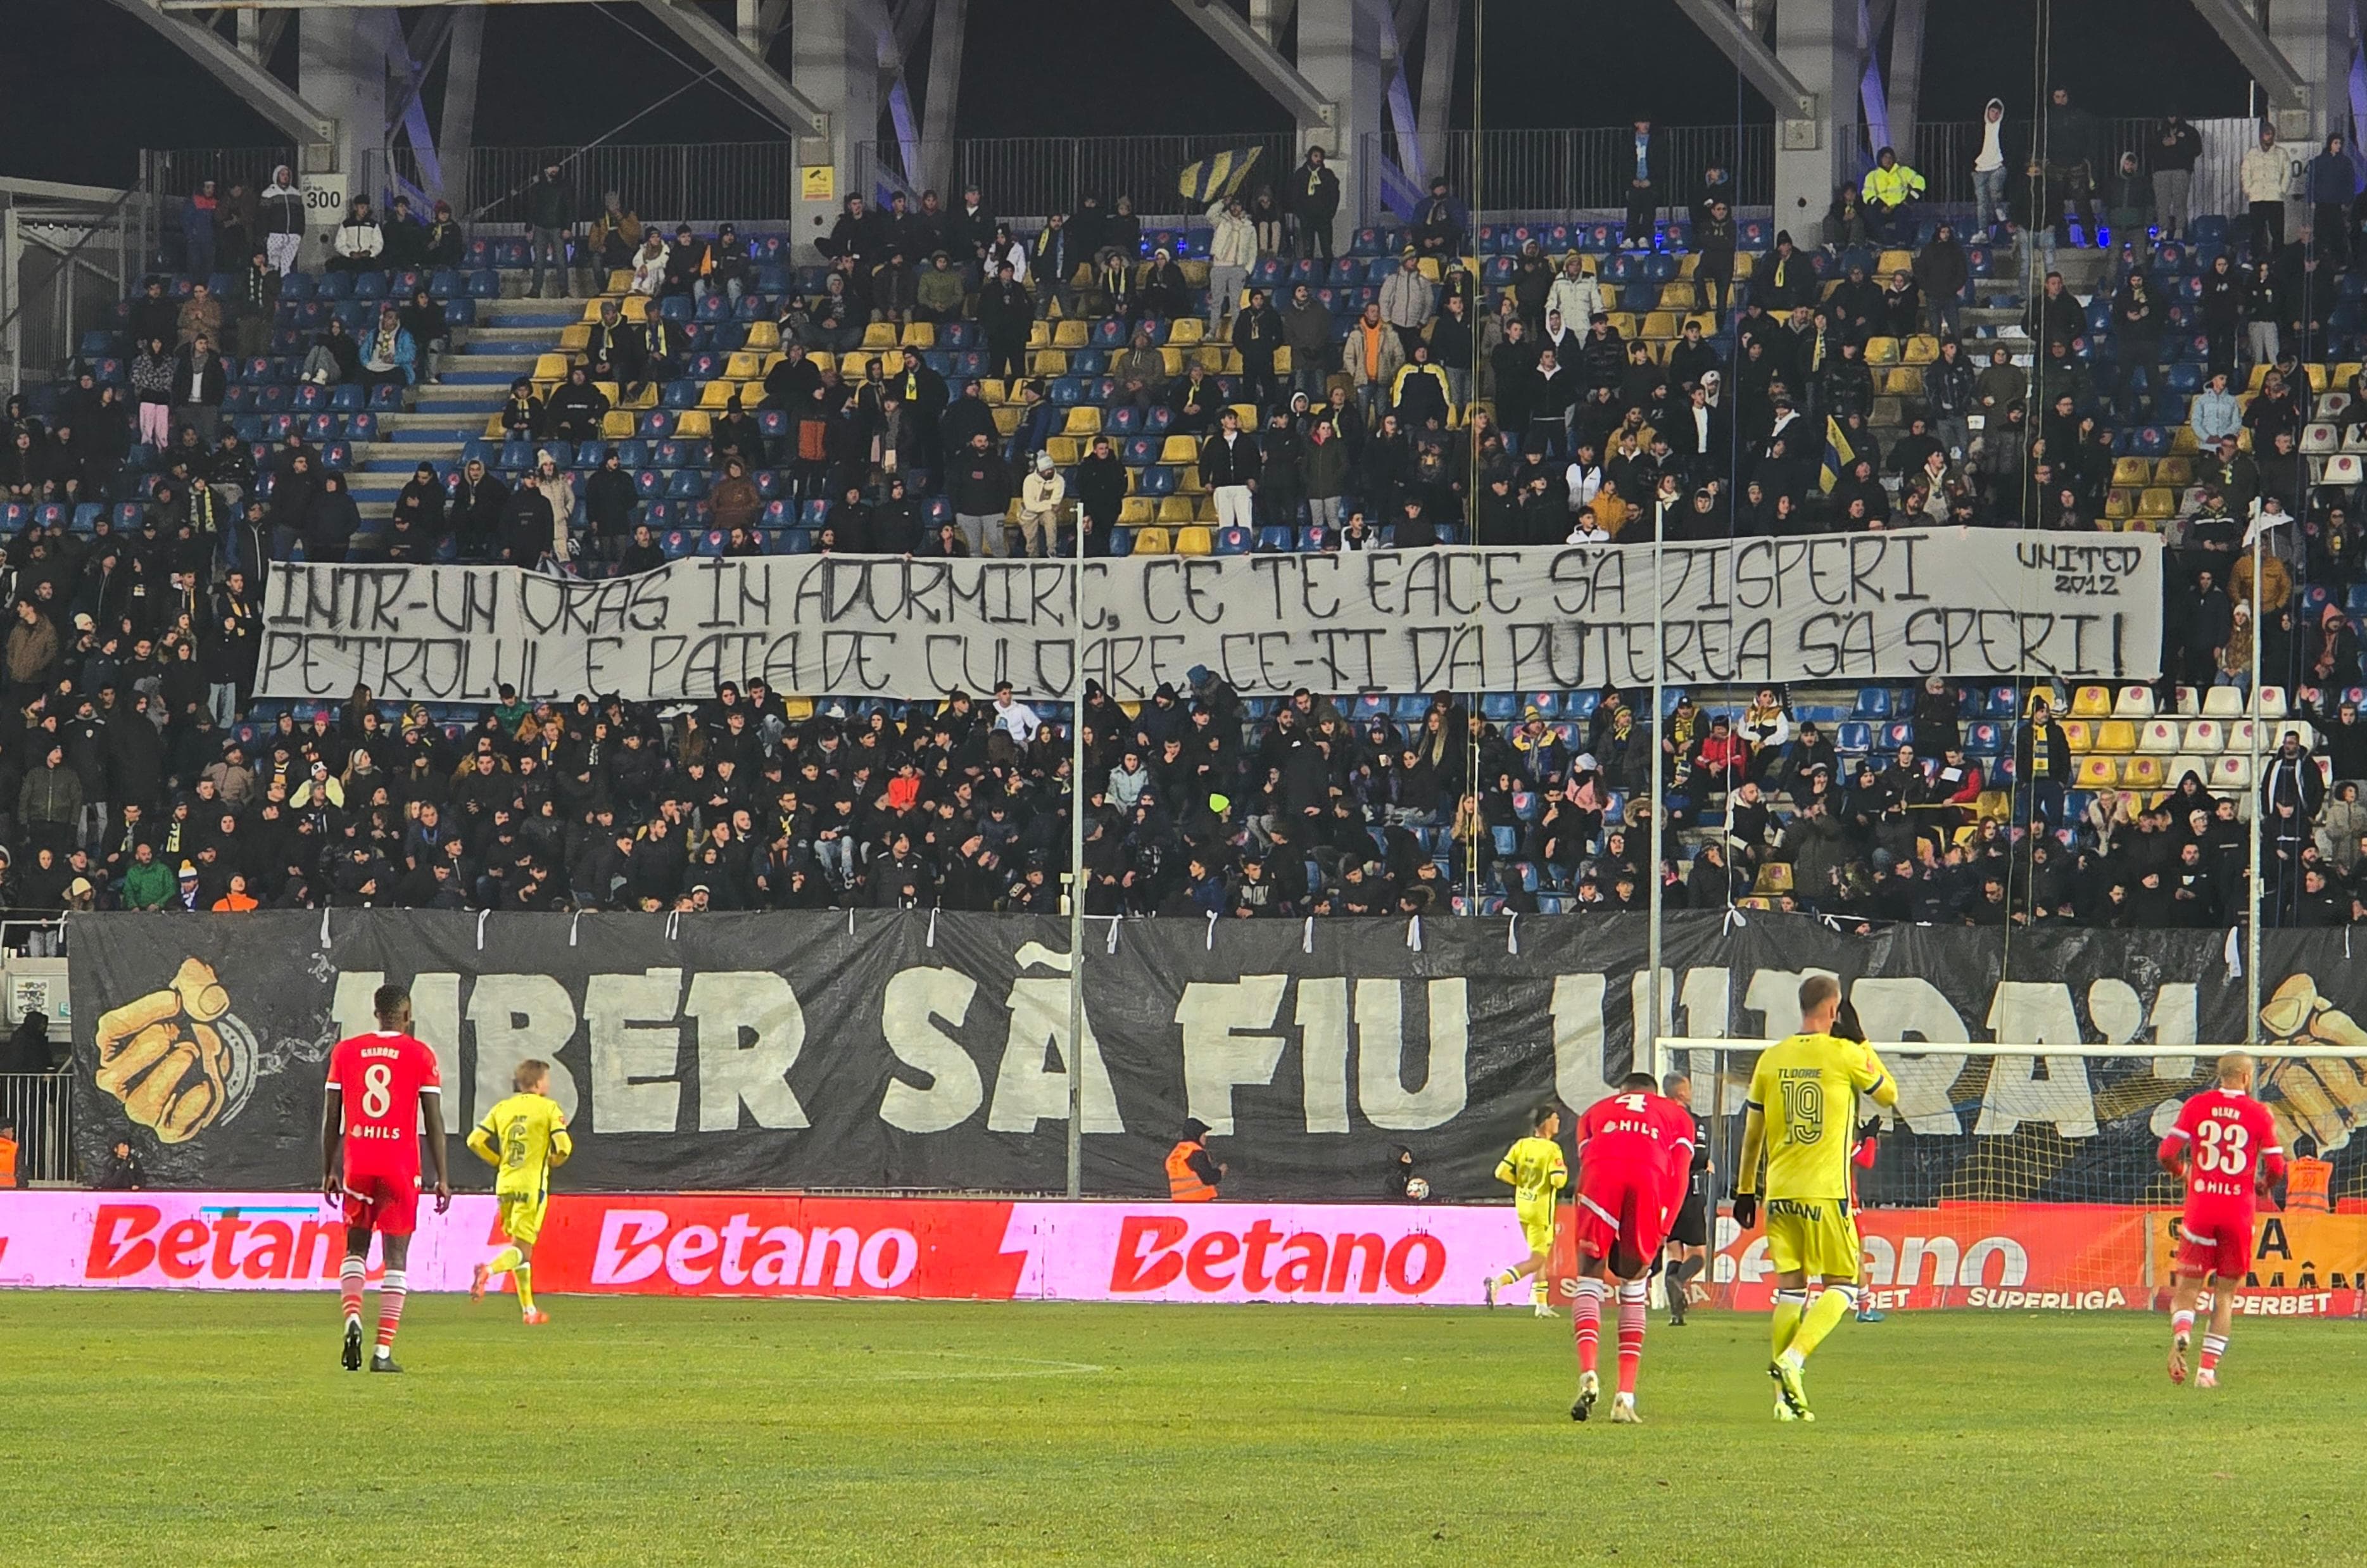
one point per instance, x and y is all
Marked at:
(473, 380)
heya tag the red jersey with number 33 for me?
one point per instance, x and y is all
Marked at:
(380, 1078)
(1645, 1138)
(2229, 1139)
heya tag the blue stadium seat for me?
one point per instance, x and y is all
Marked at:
(1874, 703)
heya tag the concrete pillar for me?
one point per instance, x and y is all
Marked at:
(1340, 55)
(2315, 36)
(835, 63)
(1817, 41)
(341, 71)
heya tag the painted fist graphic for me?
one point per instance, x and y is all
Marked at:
(164, 1055)
(2323, 1097)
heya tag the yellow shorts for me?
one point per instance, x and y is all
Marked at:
(1812, 1235)
(1537, 1228)
(521, 1216)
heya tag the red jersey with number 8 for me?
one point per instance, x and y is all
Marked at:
(381, 1077)
(2230, 1142)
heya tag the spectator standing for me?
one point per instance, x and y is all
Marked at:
(1941, 270)
(1439, 224)
(550, 214)
(1314, 204)
(1232, 250)
(2068, 169)
(197, 228)
(1714, 238)
(2333, 186)
(1988, 168)
(2042, 767)
(2265, 176)
(2177, 147)
(281, 214)
(200, 381)
(152, 385)
(1007, 313)
(979, 487)
(1257, 334)
(1228, 467)
(1307, 333)
(1042, 495)
(2128, 202)
(1408, 300)
(1643, 192)
(256, 300)
(1100, 495)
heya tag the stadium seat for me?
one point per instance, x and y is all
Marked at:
(2232, 771)
(2099, 772)
(2159, 737)
(2091, 702)
(2205, 737)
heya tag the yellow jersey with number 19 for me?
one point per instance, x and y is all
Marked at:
(1805, 1090)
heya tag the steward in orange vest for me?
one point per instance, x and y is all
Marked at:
(1192, 1176)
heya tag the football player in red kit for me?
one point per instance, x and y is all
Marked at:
(1635, 1157)
(2225, 1148)
(379, 1083)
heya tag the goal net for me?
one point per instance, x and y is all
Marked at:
(2024, 1177)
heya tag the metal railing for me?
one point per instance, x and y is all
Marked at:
(1520, 172)
(39, 1105)
(1032, 175)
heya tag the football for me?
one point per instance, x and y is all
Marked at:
(1417, 1189)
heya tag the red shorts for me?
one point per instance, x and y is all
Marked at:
(386, 1202)
(1619, 1216)
(2214, 1241)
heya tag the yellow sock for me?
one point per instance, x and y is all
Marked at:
(1785, 1322)
(1538, 1290)
(1832, 1305)
(524, 1275)
(503, 1261)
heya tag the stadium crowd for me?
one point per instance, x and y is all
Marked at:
(949, 384)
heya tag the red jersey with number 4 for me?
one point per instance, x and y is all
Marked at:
(2228, 1139)
(381, 1077)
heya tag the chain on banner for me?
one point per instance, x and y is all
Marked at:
(1972, 604)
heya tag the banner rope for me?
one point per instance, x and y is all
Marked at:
(1512, 936)
(482, 916)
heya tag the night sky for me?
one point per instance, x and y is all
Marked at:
(92, 86)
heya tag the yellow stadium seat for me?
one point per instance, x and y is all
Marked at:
(1006, 418)
(764, 336)
(2134, 474)
(1194, 540)
(694, 424)
(1184, 331)
(1892, 261)
(821, 361)
(853, 367)
(1882, 351)
(880, 335)
(1136, 511)
(2144, 773)
(1179, 450)
(1178, 509)
(1922, 349)
(2118, 504)
(919, 335)
(1659, 324)
(1040, 334)
(2158, 503)
(744, 366)
(1678, 297)
(1902, 380)
(615, 425)
(1622, 322)
(1072, 334)
(575, 339)
(1065, 450)
(2092, 702)
(619, 279)
(2177, 474)
(494, 430)
(2078, 735)
(550, 367)
(1154, 541)
(1084, 421)
(2116, 735)
(1187, 481)
(716, 394)
(645, 398)
(798, 709)
(2099, 772)
(1047, 362)
(1775, 877)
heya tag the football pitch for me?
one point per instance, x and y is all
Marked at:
(190, 1429)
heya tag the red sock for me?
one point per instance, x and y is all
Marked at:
(391, 1292)
(1586, 1320)
(1631, 1333)
(350, 1276)
(2213, 1347)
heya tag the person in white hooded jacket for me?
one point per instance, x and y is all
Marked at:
(1989, 168)
(1577, 296)
(1232, 250)
(2265, 176)
(280, 216)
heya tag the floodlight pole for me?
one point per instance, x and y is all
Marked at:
(1077, 864)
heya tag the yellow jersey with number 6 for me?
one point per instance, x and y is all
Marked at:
(1805, 1090)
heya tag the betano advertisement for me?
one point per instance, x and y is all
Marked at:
(1992, 1257)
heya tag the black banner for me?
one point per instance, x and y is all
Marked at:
(895, 1051)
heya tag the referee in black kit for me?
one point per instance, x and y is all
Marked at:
(1688, 1249)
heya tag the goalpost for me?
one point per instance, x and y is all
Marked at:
(2023, 1175)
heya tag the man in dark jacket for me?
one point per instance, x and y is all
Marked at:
(1307, 333)
(1099, 484)
(1314, 202)
(550, 214)
(1257, 333)
(978, 484)
(2042, 767)
(1006, 312)
(477, 503)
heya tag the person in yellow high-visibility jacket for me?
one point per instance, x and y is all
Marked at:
(1889, 186)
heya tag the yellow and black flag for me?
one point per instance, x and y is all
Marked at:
(1206, 183)
(1838, 455)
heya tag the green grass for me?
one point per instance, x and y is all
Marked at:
(140, 1429)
